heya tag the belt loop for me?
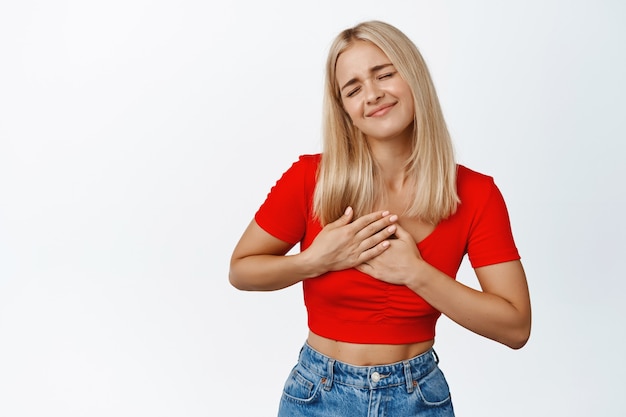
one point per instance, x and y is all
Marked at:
(435, 356)
(328, 383)
(408, 376)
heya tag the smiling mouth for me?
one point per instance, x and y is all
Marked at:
(381, 111)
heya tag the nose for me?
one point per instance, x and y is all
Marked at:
(373, 93)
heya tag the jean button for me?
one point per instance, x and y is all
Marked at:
(375, 377)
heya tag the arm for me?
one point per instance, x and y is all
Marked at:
(260, 261)
(501, 311)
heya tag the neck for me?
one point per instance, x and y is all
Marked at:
(391, 160)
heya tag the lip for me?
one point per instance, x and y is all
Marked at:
(380, 110)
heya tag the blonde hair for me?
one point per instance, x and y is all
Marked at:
(348, 174)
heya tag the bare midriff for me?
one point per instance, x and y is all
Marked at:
(359, 354)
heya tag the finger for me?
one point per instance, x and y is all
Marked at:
(379, 237)
(402, 234)
(365, 268)
(370, 218)
(345, 219)
(377, 226)
(374, 251)
(372, 223)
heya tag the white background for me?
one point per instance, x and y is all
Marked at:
(138, 138)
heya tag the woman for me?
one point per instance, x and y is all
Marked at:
(384, 217)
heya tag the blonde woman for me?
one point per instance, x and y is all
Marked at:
(384, 217)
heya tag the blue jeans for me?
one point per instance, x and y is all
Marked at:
(319, 386)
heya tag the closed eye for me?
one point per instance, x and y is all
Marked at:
(387, 75)
(353, 92)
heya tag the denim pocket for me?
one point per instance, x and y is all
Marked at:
(433, 388)
(302, 385)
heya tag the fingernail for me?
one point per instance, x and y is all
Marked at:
(393, 218)
(391, 229)
(385, 213)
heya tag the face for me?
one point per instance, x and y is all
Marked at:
(376, 98)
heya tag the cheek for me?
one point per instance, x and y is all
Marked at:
(352, 110)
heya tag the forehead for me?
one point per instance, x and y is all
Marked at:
(358, 59)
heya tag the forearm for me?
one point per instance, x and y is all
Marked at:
(271, 272)
(485, 313)
(260, 261)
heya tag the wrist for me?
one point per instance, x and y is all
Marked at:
(418, 277)
(309, 266)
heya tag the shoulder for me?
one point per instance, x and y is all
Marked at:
(477, 190)
(301, 173)
(306, 166)
(473, 184)
(309, 160)
(480, 195)
(469, 177)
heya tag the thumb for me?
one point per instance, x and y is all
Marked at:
(401, 233)
(404, 235)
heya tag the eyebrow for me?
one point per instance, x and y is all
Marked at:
(374, 69)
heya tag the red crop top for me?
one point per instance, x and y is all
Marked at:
(351, 306)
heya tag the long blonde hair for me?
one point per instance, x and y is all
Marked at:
(348, 174)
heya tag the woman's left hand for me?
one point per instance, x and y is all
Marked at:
(396, 264)
(499, 311)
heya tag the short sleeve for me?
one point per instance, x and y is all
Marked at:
(285, 210)
(491, 239)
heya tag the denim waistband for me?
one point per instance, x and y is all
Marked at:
(405, 372)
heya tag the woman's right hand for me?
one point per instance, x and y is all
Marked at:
(260, 261)
(344, 243)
